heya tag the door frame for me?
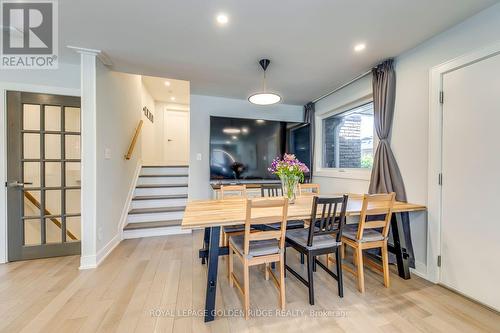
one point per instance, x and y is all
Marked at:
(12, 86)
(434, 189)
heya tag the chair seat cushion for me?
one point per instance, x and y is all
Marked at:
(294, 224)
(257, 248)
(300, 237)
(234, 228)
(369, 235)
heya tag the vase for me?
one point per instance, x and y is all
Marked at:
(289, 185)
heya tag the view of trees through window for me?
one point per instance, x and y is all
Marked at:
(348, 138)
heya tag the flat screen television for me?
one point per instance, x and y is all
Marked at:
(241, 149)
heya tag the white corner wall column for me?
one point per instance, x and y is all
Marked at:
(88, 257)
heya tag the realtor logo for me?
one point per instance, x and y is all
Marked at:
(29, 34)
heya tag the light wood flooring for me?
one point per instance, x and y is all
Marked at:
(155, 285)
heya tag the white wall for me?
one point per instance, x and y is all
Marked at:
(202, 107)
(62, 81)
(119, 110)
(150, 130)
(411, 120)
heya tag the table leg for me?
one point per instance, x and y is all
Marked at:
(213, 263)
(206, 240)
(399, 247)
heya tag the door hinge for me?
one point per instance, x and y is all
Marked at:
(439, 261)
(440, 179)
(441, 97)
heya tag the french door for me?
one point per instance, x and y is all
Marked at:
(43, 175)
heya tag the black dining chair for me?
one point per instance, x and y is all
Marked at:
(275, 190)
(323, 236)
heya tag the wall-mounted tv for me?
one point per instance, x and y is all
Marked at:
(241, 150)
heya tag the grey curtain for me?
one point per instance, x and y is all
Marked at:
(386, 176)
(309, 110)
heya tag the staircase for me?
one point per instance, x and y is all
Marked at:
(158, 203)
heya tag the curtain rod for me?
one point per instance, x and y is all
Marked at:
(343, 86)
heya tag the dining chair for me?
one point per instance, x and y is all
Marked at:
(322, 237)
(276, 190)
(308, 189)
(228, 192)
(371, 233)
(261, 247)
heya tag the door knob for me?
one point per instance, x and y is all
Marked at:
(169, 140)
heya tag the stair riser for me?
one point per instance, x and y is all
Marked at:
(162, 180)
(158, 203)
(164, 171)
(160, 191)
(137, 218)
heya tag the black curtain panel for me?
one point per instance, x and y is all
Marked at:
(386, 176)
(309, 117)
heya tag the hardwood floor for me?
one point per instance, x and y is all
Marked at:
(155, 284)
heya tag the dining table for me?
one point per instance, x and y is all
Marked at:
(212, 215)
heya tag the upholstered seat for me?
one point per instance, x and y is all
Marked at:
(257, 247)
(234, 228)
(294, 224)
(300, 237)
(369, 235)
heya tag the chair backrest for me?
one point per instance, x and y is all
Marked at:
(308, 189)
(227, 191)
(332, 218)
(271, 190)
(376, 212)
(265, 211)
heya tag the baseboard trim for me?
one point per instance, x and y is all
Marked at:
(420, 270)
(108, 248)
(152, 232)
(90, 262)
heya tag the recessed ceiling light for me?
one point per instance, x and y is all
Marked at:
(228, 142)
(167, 83)
(234, 137)
(260, 121)
(222, 19)
(172, 98)
(360, 47)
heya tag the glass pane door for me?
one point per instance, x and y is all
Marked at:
(43, 175)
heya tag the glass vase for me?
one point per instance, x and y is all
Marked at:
(289, 185)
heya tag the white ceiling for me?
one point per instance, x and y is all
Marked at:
(177, 89)
(310, 42)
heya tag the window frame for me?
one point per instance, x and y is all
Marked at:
(346, 173)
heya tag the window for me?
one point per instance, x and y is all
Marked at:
(348, 138)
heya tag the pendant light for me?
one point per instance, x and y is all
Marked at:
(264, 97)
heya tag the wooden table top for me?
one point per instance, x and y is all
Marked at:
(212, 213)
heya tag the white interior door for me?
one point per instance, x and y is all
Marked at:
(470, 224)
(177, 137)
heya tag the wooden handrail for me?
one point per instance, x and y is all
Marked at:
(35, 202)
(134, 141)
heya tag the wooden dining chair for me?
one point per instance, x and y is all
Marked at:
(261, 247)
(228, 192)
(308, 189)
(371, 233)
(321, 238)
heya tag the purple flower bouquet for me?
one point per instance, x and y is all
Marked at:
(290, 171)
